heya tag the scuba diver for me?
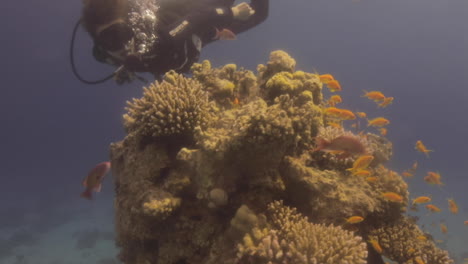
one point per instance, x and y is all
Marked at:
(156, 36)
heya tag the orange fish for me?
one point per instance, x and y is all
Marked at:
(235, 103)
(392, 197)
(443, 228)
(372, 179)
(465, 222)
(339, 113)
(407, 174)
(422, 237)
(361, 114)
(346, 115)
(433, 208)
(325, 78)
(433, 178)
(379, 122)
(415, 166)
(335, 99)
(453, 207)
(354, 219)
(375, 244)
(224, 34)
(93, 181)
(411, 251)
(332, 111)
(383, 131)
(421, 148)
(334, 86)
(374, 95)
(421, 199)
(386, 102)
(361, 163)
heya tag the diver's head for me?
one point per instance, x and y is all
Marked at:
(113, 36)
(105, 20)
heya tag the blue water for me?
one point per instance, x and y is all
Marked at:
(54, 128)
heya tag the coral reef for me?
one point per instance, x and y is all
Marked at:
(207, 160)
(293, 239)
(404, 242)
(174, 107)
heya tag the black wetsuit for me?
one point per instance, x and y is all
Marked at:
(183, 29)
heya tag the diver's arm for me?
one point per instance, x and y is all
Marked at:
(261, 8)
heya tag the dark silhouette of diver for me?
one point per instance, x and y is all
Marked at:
(156, 36)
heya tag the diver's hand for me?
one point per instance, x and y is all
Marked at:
(242, 11)
(122, 75)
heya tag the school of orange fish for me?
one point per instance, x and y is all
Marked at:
(361, 164)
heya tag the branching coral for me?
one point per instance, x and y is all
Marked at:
(294, 239)
(174, 107)
(404, 242)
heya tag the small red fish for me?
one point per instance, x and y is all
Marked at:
(93, 181)
(345, 145)
(224, 34)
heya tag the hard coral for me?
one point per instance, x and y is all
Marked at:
(289, 122)
(398, 237)
(174, 107)
(193, 201)
(160, 207)
(293, 239)
(294, 84)
(226, 83)
(279, 61)
(328, 196)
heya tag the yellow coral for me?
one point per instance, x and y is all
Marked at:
(398, 237)
(294, 239)
(281, 61)
(283, 82)
(174, 107)
(225, 88)
(163, 207)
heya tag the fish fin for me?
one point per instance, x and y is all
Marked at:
(87, 194)
(217, 33)
(84, 183)
(98, 188)
(231, 36)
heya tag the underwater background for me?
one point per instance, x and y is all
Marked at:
(54, 128)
